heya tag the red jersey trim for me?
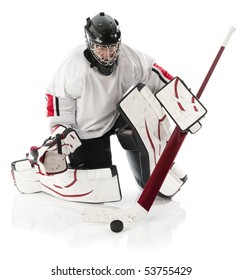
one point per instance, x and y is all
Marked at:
(163, 72)
(50, 105)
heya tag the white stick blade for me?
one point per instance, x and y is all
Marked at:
(107, 214)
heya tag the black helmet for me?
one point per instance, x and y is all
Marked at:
(103, 41)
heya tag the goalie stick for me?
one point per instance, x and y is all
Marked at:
(119, 216)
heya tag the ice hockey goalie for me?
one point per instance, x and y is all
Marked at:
(144, 135)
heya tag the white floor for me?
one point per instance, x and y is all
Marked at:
(201, 226)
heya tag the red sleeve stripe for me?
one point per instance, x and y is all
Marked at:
(52, 105)
(162, 71)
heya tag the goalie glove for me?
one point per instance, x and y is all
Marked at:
(51, 156)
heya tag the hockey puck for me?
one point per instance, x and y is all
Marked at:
(116, 226)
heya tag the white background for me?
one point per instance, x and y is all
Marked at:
(201, 226)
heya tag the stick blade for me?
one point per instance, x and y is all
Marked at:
(107, 214)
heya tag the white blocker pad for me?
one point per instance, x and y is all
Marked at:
(146, 116)
(182, 106)
(90, 186)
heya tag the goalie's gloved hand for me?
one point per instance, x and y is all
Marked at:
(50, 141)
(51, 156)
(63, 141)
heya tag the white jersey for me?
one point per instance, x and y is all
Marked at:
(82, 98)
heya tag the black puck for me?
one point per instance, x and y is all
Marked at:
(116, 226)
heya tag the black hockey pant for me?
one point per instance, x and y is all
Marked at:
(96, 152)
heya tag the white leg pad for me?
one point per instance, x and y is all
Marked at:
(90, 186)
(24, 176)
(149, 120)
(171, 185)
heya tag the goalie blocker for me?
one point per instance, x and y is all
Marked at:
(148, 130)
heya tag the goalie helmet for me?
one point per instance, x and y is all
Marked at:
(103, 42)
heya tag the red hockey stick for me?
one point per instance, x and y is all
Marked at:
(173, 146)
(144, 203)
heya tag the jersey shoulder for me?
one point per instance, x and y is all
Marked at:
(73, 67)
(75, 62)
(136, 57)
